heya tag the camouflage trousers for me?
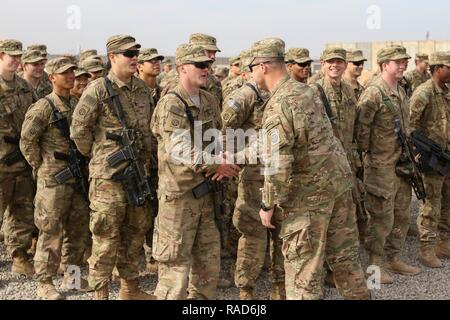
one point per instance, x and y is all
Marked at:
(434, 216)
(118, 230)
(387, 202)
(317, 233)
(16, 198)
(186, 244)
(153, 212)
(231, 235)
(252, 244)
(61, 214)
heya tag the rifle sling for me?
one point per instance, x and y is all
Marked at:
(326, 103)
(186, 109)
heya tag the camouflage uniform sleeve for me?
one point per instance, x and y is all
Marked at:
(84, 119)
(278, 155)
(419, 100)
(368, 106)
(34, 125)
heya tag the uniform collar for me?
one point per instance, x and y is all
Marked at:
(185, 95)
(114, 79)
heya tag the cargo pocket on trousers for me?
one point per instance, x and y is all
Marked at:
(166, 248)
(100, 223)
(296, 238)
(375, 198)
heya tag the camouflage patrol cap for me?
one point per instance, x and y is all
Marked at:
(299, 55)
(59, 65)
(333, 53)
(72, 57)
(234, 61)
(422, 56)
(149, 54)
(440, 58)
(87, 53)
(221, 71)
(120, 43)
(166, 61)
(32, 56)
(92, 65)
(246, 59)
(81, 72)
(11, 47)
(355, 56)
(392, 53)
(268, 48)
(40, 47)
(189, 53)
(208, 42)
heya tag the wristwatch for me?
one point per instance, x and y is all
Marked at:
(263, 206)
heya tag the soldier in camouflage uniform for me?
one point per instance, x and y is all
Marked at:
(186, 241)
(430, 115)
(33, 71)
(61, 212)
(243, 110)
(238, 81)
(149, 66)
(81, 80)
(118, 227)
(420, 74)
(355, 66)
(342, 101)
(86, 54)
(94, 67)
(307, 183)
(235, 70)
(16, 184)
(166, 65)
(388, 194)
(212, 85)
(298, 64)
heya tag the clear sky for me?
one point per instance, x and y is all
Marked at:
(67, 25)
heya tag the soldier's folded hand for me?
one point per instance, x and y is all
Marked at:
(266, 217)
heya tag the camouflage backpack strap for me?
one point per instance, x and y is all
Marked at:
(258, 96)
(326, 103)
(186, 108)
(387, 101)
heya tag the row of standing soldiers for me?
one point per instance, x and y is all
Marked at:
(339, 147)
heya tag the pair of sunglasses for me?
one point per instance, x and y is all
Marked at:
(304, 64)
(358, 63)
(130, 53)
(250, 66)
(202, 65)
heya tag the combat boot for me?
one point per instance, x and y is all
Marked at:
(46, 290)
(152, 266)
(246, 293)
(396, 265)
(443, 250)
(129, 290)
(102, 293)
(427, 256)
(385, 277)
(67, 284)
(22, 265)
(2, 236)
(278, 291)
